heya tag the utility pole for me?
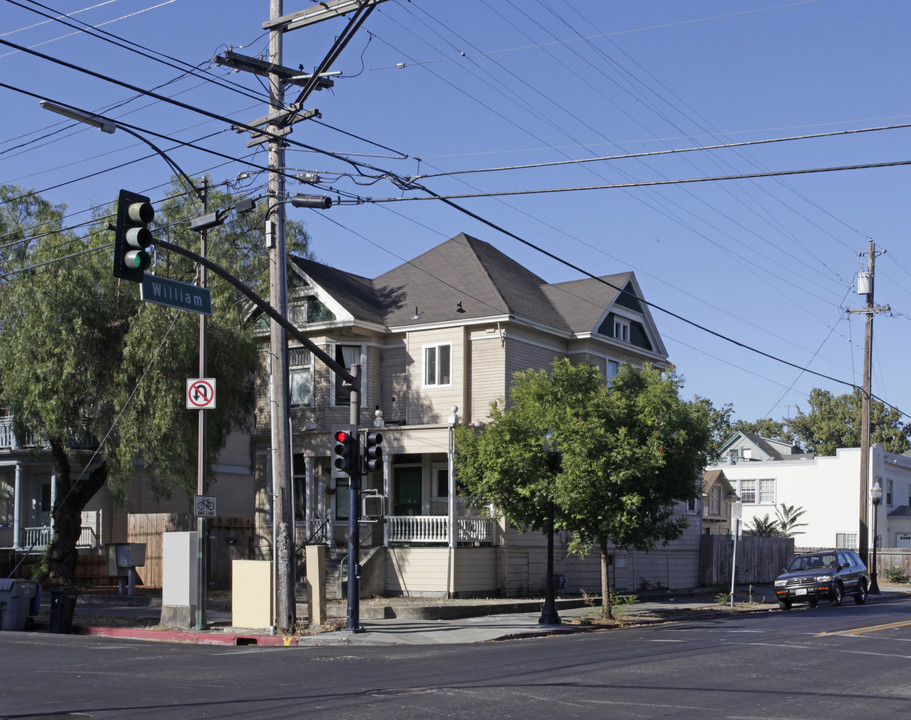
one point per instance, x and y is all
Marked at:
(865, 282)
(276, 124)
(202, 533)
(282, 512)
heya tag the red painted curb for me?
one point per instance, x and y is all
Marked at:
(181, 636)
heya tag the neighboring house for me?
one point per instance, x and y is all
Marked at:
(747, 447)
(828, 488)
(439, 339)
(28, 489)
(718, 497)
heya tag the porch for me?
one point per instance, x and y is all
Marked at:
(36, 539)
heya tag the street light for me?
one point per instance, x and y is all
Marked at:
(549, 614)
(876, 495)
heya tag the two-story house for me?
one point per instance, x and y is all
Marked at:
(439, 338)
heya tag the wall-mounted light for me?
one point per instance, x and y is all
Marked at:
(417, 315)
(459, 308)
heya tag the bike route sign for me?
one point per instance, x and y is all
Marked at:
(205, 506)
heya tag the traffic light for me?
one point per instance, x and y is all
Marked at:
(373, 453)
(132, 236)
(344, 452)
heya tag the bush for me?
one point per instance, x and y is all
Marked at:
(894, 575)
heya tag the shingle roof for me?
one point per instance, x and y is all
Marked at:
(465, 270)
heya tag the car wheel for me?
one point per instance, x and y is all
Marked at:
(861, 597)
(812, 603)
(838, 594)
(784, 604)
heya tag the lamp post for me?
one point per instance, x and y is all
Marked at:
(549, 614)
(876, 495)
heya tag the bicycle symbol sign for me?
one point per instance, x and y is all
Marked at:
(205, 506)
(200, 393)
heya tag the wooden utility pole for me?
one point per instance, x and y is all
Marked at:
(865, 282)
(282, 511)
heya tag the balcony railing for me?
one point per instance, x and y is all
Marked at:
(434, 529)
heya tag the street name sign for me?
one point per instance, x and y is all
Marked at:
(176, 294)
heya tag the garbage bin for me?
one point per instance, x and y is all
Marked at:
(63, 603)
(15, 602)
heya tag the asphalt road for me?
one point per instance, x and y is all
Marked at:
(830, 663)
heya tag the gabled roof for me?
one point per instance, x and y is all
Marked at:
(464, 279)
(770, 449)
(711, 478)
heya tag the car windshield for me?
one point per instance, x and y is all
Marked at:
(808, 562)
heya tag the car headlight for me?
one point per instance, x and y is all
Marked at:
(781, 583)
(823, 578)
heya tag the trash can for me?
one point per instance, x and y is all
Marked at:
(15, 602)
(63, 603)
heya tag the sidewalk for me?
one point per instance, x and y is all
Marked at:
(385, 621)
(408, 621)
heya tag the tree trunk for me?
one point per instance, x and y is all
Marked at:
(605, 582)
(72, 497)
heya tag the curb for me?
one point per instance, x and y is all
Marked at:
(185, 636)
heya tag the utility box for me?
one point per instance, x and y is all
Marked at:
(251, 594)
(179, 579)
(15, 599)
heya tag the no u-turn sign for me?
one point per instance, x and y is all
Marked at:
(201, 394)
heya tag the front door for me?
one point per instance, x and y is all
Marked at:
(406, 491)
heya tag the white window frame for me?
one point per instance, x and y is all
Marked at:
(436, 380)
(613, 367)
(745, 493)
(298, 374)
(765, 489)
(621, 328)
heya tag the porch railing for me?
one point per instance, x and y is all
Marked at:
(39, 538)
(435, 529)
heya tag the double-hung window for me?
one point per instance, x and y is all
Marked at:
(437, 365)
(748, 492)
(300, 375)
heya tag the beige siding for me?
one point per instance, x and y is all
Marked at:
(432, 404)
(475, 571)
(488, 374)
(417, 571)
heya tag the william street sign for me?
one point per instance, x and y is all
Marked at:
(176, 294)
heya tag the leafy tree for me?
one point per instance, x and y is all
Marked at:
(788, 520)
(835, 422)
(718, 420)
(81, 355)
(626, 454)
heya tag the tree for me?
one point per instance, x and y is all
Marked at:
(627, 454)
(82, 355)
(764, 427)
(835, 422)
(788, 517)
(764, 527)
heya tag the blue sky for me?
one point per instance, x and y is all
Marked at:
(434, 86)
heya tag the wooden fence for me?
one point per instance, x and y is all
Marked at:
(759, 559)
(229, 539)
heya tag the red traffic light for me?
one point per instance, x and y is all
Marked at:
(342, 436)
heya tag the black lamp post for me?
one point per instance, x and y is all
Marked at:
(549, 614)
(876, 495)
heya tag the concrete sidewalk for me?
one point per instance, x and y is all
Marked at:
(411, 621)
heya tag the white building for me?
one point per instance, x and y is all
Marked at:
(827, 487)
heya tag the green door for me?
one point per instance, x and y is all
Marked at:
(406, 492)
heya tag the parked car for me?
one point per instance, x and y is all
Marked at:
(822, 575)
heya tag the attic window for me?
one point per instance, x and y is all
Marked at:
(621, 329)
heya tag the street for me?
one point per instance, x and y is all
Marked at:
(828, 663)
